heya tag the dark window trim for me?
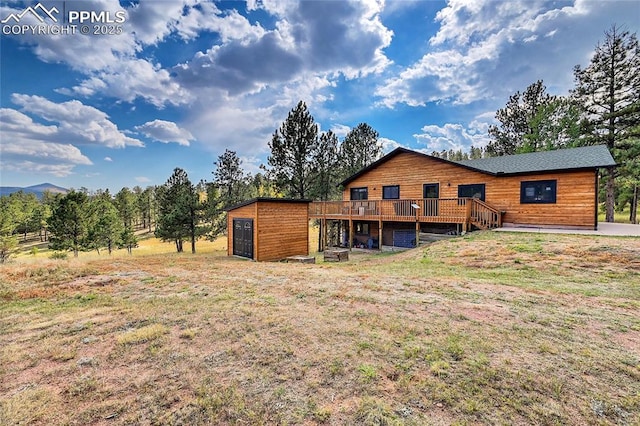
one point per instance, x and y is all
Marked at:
(362, 190)
(424, 189)
(482, 192)
(384, 197)
(553, 183)
(362, 225)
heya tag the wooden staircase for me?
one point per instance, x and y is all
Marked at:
(484, 216)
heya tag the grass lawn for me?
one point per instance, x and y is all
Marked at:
(490, 328)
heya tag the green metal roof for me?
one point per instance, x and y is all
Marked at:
(586, 157)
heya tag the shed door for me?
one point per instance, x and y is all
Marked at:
(243, 237)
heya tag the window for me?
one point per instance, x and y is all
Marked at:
(538, 192)
(391, 192)
(362, 228)
(475, 190)
(431, 190)
(359, 193)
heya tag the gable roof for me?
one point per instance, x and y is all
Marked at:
(586, 157)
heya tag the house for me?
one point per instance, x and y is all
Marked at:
(267, 229)
(404, 192)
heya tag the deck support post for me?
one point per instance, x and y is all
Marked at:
(350, 233)
(324, 234)
(380, 235)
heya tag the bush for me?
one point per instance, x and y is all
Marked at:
(58, 255)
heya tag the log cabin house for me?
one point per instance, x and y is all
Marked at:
(405, 192)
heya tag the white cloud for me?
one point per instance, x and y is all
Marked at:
(28, 143)
(108, 159)
(76, 123)
(142, 179)
(487, 50)
(389, 145)
(453, 136)
(340, 130)
(166, 132)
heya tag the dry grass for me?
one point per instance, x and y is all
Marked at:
(492, 328)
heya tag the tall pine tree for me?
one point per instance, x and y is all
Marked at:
(359, 149)
(292, 150)
(609, 90)
(180, 209)
(518, 122)
(70, 222)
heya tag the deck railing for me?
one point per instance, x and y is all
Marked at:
(439, 210)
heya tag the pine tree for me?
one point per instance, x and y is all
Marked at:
(180, 211)
(69, 223)
(359, 149)
(292, 149)
(106, 226)
(517, 120)
(230, 178)
(325, 168)
(609, 91)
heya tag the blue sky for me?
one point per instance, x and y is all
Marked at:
(185, 80)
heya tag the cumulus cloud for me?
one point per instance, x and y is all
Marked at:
(308, 36)
(29, 147)
(453, 136)
(166, 132)
(487, 49)
(108, 159)
(76, 123)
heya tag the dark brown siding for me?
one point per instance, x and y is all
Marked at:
(575, 201)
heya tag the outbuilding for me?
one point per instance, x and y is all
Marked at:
(268, 229)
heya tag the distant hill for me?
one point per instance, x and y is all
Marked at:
(34, 189)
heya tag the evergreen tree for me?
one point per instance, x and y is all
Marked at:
(609, 91)
(359, 149)
(517, 121)
(326, 168)
(106, 226)
(69, 223)
(144, 205)
(292, 149)
(8, 241)
(180, 210)
(230, 178)
(125, 202)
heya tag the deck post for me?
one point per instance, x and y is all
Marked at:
(380, 234)
(324, 234)
(350, 233)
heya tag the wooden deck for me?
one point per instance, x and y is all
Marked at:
(463, 211)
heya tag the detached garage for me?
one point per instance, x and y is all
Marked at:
(268, 229)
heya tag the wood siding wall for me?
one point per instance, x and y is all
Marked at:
(283, 230)
(280, 229)
(575, 202)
